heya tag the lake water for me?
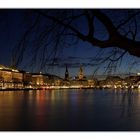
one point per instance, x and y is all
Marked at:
(70, 109)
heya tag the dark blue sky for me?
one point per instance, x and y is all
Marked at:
(12, 27)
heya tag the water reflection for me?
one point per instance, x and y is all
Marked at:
(70, 110)
(127, 103)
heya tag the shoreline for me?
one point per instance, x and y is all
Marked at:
(59, 88)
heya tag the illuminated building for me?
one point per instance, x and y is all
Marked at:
(17, 79)
(45, 80)
(10, 78)
(6, 78)
(80, 75)
(111, 82)
(91, 83)
(6, 75)
(39, 79)
(27, 80)
(133, 81)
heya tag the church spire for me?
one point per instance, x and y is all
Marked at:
(66, 74)
(81, 74)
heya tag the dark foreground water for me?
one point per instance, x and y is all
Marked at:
(75, 110)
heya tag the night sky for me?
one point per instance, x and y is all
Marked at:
(13, 25)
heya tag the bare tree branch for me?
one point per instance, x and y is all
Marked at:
(127, 20)
(60, 25)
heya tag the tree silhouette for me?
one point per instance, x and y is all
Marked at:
(62, 27)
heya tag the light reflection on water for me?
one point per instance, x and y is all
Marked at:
(78, 109)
